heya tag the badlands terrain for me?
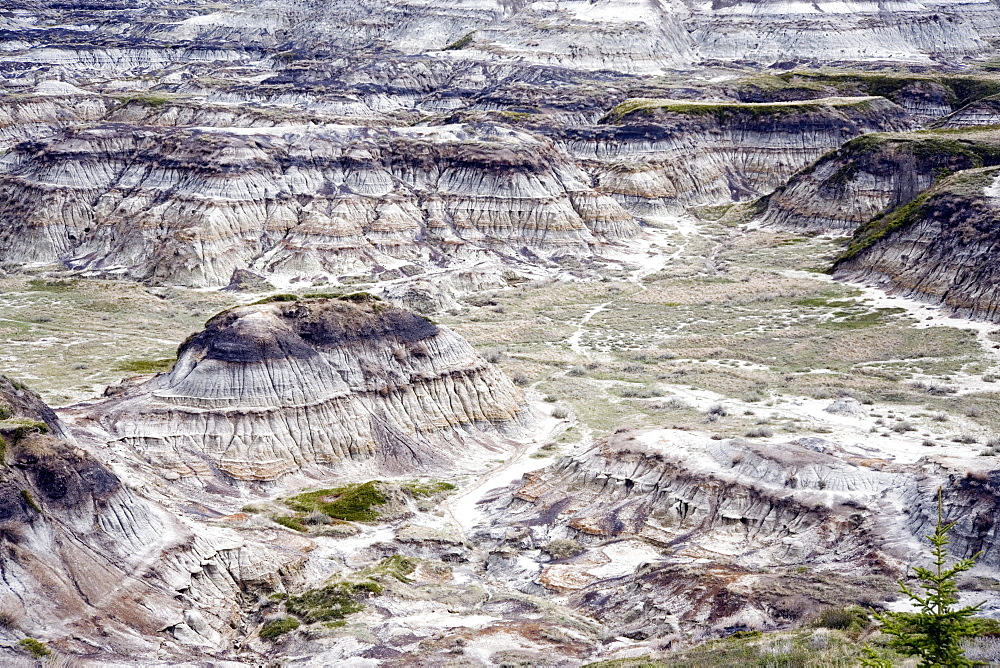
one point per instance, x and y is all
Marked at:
(493, 334)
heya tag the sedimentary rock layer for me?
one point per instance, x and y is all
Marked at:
(679, 153)
(717, 534)
(273, 388)
(90, 566)
(872, 175)
(941, 247)
(190, 206)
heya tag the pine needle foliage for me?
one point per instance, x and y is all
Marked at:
(934, 634)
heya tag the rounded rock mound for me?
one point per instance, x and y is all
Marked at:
(292, 384)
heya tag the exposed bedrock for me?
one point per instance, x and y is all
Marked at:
(90, 566)
(273, 388)
(679, 531)
(51, 108)
(941, 247)
(190, 206)
(618, 35)
(679, 153)
(978, 113)
(872, 175)
(624, 35)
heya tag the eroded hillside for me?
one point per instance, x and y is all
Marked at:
(393, 333)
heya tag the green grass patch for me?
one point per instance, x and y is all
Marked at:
(18, 427)
(822, 302)
(148, 366)
(430, 488)
(397, 566)
(460, 43)
(849, 320)
(30, 500)
(36, 648)
(279, 628)
(333, 601)
(722, 110)
(291, 523)
(352, 503)
(60, 286)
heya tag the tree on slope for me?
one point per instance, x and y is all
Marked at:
(933, 634)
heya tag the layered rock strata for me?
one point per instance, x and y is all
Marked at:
(677, 532)
(940, 247)
(872, 175)
(88, 565)
(274, 388)
(650, 153)
(191, 206)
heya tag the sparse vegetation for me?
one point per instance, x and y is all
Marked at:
(279, 627)
(333, 601)
(147, 366)
(352, 503)
(562, 548)
(934, 634)
(36, 648)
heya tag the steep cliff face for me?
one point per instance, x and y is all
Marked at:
(680, 153)
(978, 113)
(90, 566)
(777, 31)
(191, 206)
(616, 34)
(269, 389)
(677, 531)
(940, 247)
(872, 175)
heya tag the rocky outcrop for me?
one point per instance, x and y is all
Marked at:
(872, 175)
(342, 384)
(976, 114)
(613, 34)
(940, 247)
(48, 109)
(675, 531)
(88, 565)
(191, 206)
(650, 153)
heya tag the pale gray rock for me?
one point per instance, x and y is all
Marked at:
(326, 385)
(722, 534)
(848, 407)
(192, 206)
(940, 248)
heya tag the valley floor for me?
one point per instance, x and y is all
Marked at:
(700, 330)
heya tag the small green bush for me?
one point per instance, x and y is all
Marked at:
(279, 627)
(334, 601)
(847, 618)
(35, 647)
(562, 548)
(291, 523)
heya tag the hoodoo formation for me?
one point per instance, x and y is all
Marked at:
(617, 333)
(283, 386)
